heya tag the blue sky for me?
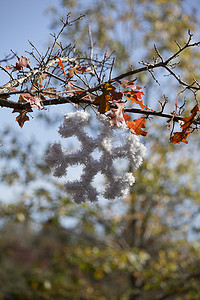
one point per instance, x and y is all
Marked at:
(24, 20)
(21, 21)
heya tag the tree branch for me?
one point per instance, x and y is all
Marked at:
(77, 100)
(51, 65)
(175, 292)
(41, 70)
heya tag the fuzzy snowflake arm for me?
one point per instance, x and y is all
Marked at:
(82, 190)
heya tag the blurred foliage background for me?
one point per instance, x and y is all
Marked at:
(146, 247)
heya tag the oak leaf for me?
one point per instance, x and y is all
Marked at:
(135, 97)
(126, 117)
(180, 137)
(102, 100)
(136, 126)
(34, 100)
(115, 95)
(8, 67)
(22, 117)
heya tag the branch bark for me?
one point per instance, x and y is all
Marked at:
(5, 90)
(78, 100)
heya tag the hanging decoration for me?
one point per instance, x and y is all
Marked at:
(117, 184)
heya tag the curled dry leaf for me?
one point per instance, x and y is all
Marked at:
(38, 81)
(70, 88)
(77, 70)
(61, 65)
(23, 61)
(188, 121)
(117, 115)
(129, 84)
(179, 137)
(36, 102)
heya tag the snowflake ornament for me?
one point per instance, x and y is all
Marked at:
(82, 190)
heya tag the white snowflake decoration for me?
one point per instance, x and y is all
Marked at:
(82, 190)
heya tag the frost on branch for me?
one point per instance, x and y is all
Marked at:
(117, 184)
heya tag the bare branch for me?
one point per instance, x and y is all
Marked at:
(19, 81)
(85, 88)
(7, 58)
